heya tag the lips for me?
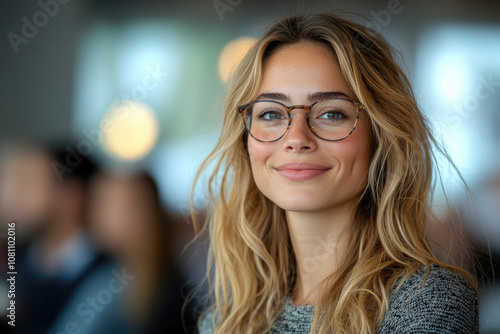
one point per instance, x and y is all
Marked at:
(300, 171)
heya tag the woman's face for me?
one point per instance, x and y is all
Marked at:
(301, 172)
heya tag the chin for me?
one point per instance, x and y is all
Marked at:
(299, 205)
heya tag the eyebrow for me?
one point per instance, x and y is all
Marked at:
(310, 97)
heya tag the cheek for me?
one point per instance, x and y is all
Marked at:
(259, 153)
(354, 156)
(360, 155)
(361, 165)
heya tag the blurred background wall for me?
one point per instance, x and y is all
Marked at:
(137, 85)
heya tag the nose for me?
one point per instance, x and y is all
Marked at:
(299, 138)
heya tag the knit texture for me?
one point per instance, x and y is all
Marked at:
(446, 303)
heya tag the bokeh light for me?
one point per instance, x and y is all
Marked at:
(232, 54)
(130, 130)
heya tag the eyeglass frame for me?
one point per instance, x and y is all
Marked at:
(358, 105)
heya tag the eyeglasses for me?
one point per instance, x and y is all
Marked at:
(329, 119)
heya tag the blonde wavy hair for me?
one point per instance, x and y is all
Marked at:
(251, 264)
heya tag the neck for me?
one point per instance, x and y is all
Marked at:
(318, 239)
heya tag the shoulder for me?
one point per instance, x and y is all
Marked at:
(439, 281)
(444, 303)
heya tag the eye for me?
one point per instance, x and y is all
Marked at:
(271, 114)
(333, 115)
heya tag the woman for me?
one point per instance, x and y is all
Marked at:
(318, 223)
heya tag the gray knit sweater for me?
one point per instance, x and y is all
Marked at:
(446, 303)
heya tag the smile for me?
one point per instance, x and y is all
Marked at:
(300, 171)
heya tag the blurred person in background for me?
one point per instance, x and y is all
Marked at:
(26, 183)
(25, 187)
(141, 290)
(53, 250)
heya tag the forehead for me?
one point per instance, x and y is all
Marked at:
(301, 69)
